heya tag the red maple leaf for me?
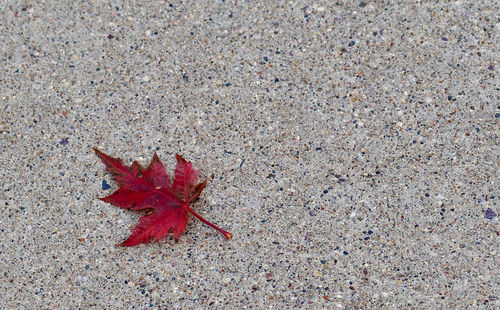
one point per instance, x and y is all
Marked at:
(150, 188)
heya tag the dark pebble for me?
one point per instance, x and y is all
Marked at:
(489, 214)
(105, 185)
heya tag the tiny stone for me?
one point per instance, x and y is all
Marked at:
(105, 185)
(489, 214)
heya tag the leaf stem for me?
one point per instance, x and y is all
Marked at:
(226, 234)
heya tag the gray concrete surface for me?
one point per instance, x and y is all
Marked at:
(351, 147)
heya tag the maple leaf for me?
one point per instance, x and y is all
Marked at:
(149, 188)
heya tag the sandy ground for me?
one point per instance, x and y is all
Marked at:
(351, 148)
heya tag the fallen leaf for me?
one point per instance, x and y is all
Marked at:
(149, 188)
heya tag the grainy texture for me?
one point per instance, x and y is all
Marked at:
(351, 148)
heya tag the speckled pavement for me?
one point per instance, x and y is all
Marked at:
(351, 148)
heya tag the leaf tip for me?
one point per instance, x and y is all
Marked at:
(128, 243)
(180, 159)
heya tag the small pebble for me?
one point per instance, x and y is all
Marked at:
(489, 214)
(105, 185)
